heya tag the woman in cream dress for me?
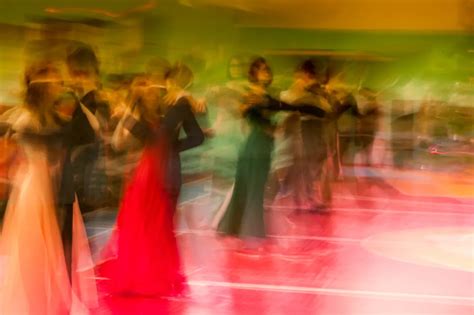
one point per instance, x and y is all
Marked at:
(34, 277)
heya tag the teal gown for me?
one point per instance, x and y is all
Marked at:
(244, 217)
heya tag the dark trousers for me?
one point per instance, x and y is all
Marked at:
(66, 235)
(90, 186)
(315, 154)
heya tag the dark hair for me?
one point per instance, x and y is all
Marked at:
(254, 66)
(181, 74)
(308, 67)
(83, 59)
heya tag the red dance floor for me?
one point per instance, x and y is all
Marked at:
(380, 252)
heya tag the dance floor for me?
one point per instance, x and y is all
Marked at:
(388, 246)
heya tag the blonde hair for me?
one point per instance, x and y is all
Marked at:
(181, 75)
(136, 99)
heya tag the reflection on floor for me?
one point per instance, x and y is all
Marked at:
(387, 247)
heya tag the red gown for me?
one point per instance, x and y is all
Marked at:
(142, 254)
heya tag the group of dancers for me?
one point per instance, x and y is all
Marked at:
(300, 154)
(61, 128)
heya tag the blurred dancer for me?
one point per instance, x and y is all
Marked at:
(81, 143)
(196, 161)
(343, 128)
(292, 158)
(228, 122)
(36, 278)
(152, 88)
(367, 122)
(90, 181)
(244, 216)
(142, 254)
(236, 73)
(319, 135)
(229, 126)
(369, 115)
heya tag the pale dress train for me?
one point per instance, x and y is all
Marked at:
(34, 278)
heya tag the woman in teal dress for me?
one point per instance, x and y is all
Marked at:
(244, 217)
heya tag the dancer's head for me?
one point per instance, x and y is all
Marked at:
(260, 72)
(145, 98)
(83, 62)
(236, 67)
(180, 77)
(83, 67)
(43, 87)
(306, 72)
(313, 71)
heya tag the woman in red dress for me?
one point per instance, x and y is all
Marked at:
(142, 255)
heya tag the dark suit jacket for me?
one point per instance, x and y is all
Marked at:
(77, 132)
(178, 117)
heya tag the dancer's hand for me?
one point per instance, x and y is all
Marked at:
(199, 106)
(252, 100)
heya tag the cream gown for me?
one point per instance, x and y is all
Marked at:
(33, 273)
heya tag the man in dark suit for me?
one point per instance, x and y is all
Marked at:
(81, 138)
(319, 135)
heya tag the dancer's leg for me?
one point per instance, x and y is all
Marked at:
(66, 235)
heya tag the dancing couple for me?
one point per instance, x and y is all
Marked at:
(242, 214)
(44, 270)
(142, 256)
